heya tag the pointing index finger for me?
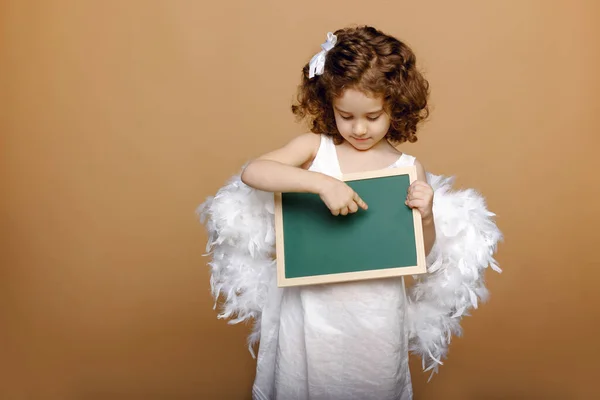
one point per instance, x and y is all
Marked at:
(360, 201)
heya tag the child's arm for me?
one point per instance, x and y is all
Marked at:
(281, 171)
(420, 196)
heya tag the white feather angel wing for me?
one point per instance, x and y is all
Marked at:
(466, 240)
(241, 243)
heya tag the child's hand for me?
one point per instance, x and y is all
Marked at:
(340, 198)
(420, 196)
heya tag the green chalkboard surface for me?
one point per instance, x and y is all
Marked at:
(315, 247)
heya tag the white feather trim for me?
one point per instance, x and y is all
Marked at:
(466, 239)
(241, 241)
(239, 221)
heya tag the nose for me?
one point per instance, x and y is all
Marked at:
(359, 129)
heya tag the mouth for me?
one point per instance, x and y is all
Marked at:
(361, 139)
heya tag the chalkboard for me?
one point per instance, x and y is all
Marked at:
(386, 240)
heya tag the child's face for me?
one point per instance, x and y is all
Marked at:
(361, 120)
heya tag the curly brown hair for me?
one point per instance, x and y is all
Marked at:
(377, 64)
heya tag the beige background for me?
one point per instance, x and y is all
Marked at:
(119, 117)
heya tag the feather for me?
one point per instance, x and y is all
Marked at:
(241, 244)
(466, 239)
(241, 240)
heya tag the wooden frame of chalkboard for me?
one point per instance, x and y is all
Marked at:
(386, 240)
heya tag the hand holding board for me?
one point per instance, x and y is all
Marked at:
(315, 247)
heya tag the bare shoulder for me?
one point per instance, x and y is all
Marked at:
(296, 152)
(307, 141)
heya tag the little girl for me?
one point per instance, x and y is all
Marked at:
(362, 94)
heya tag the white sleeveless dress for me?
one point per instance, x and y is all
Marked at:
(335, 342)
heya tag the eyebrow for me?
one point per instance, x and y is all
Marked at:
(370, 112)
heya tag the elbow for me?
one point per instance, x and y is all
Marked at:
(246, 176)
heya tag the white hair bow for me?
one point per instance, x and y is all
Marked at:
(317, 63)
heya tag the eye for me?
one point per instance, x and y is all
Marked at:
(374, 118)
(346, 118)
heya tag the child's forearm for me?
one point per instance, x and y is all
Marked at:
(273, 176)
(428, 234)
